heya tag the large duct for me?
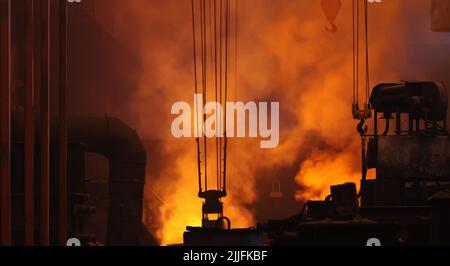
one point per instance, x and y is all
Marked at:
(122, 146)
(127, 159)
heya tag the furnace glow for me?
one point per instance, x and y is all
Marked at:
(210, 117)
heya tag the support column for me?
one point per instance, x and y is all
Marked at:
(5, 117)
(62, 127)
(45, 121)
(29, 123)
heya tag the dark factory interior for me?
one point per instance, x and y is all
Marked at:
(87, 152)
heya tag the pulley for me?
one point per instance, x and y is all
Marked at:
(361, 114)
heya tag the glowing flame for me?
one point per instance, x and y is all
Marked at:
(322, 170)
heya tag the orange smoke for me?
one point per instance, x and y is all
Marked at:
(323, 170)
(287, 58)
(285, 55)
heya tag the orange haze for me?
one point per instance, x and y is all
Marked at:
(285, 55)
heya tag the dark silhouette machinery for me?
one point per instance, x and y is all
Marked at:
(48, 193)
(122, 190)
(409, 201)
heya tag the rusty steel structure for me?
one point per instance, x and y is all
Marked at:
(46, 194)
(62, 123)
(46, 86)
(39, 50)
(29, 141)
(5, 116)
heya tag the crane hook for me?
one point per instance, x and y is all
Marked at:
(331, 8)
(362, 127)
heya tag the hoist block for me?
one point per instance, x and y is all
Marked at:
(440, 15)
(361, 114)
(331, 9)
(212, 204)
